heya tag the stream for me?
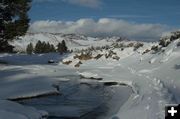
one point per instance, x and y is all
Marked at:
(82, 99)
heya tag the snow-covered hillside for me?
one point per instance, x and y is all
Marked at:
(153, 74)
(73, 41)
(150, 69)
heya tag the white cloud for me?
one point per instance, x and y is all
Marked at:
(101, 28)
(86, 3)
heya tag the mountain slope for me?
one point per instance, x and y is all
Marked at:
(73, 41)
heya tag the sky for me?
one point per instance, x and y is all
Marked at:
(136, 19)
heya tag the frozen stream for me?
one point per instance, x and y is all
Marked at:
(82, 99)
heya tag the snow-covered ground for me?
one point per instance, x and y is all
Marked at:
(154, 78)
(28, 76)
(20, 80)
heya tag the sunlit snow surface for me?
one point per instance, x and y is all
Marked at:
(79, 98)
(154, 79)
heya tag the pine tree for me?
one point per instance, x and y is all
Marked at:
(29, 48)
(43, 47)
(52, 48)
(13, 21)
(64, 47)
(5, 16)
(48, 46)
(38, 47)
(61, 47)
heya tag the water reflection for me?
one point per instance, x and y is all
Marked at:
(80, 100)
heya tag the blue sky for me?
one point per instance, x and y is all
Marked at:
(163, 12)
(144, 11)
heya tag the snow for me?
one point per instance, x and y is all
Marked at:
(9, 110)
(28, 80)
(88, 74)
(153, 77)
(28, 76)
(73, 41)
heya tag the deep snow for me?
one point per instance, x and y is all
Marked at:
(154, 78)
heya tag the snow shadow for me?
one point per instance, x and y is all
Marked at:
(177, 66)
(24, 59)
(7, 73)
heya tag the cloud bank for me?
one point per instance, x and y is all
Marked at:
(104, 27)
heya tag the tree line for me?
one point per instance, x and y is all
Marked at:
(46, 47)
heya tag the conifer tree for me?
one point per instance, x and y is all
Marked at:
(48, 46)
(38, 47)
(29, 48)
(64, 47)
(43, 47)
(52, 48)
(61, 47)
(13, 21)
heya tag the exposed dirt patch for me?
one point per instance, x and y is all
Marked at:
(67, 62)
(83, 56)
(78, 64)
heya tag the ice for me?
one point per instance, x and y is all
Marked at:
(153, 77)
